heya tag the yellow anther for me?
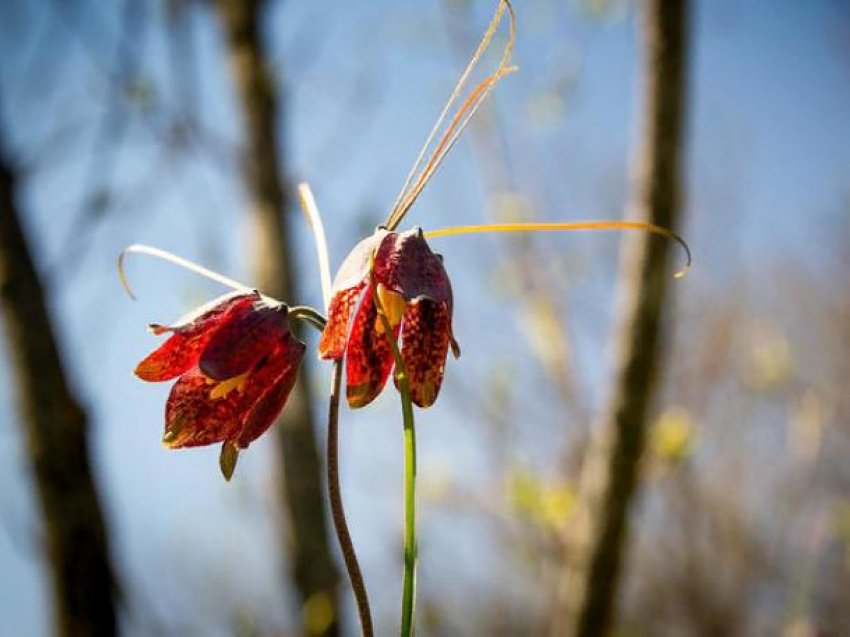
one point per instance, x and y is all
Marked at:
(226, 386)
(393, 305)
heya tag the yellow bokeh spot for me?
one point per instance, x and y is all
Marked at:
(673, 435)
(557, 505)
(549, 505)
(769, 362)
(318, 613)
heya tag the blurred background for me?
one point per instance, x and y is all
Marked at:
(186, 124)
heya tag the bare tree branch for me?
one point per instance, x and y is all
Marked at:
(56, 428)
(314, 571)
(610, 475)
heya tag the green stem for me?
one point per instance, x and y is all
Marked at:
(308, 315)
(408, 596)
(410, 547)
(358, 586)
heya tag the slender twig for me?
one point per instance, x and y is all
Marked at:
(338, 512)
(411, 549)
(640, 226)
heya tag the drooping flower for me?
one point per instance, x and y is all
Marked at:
(416, 294)
(235, 361)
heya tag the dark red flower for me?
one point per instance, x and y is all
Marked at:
(236, 361)
(416, 293)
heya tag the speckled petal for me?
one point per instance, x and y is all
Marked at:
(405, 264)
(239, 344)
(369, 357)
(190, 336)
(172, 358)
(334, 337)
(269, 405)
(426, 333)
(193, 419)
(210, 313)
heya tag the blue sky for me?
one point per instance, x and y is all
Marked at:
(768, 174)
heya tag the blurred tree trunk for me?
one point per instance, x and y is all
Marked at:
(56, 433)
(610, 477)
(313, 567)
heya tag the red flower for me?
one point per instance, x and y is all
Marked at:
(236, 360)
(415, 291)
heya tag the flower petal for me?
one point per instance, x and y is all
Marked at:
(210, 314)
(426, 336)
(194, 419)
(269, 405)
(190, 336)
(369, 357)
(197, 414)
(405, 264)
(240, 343)
(355, 267)
(172, 358)
(333, 339)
